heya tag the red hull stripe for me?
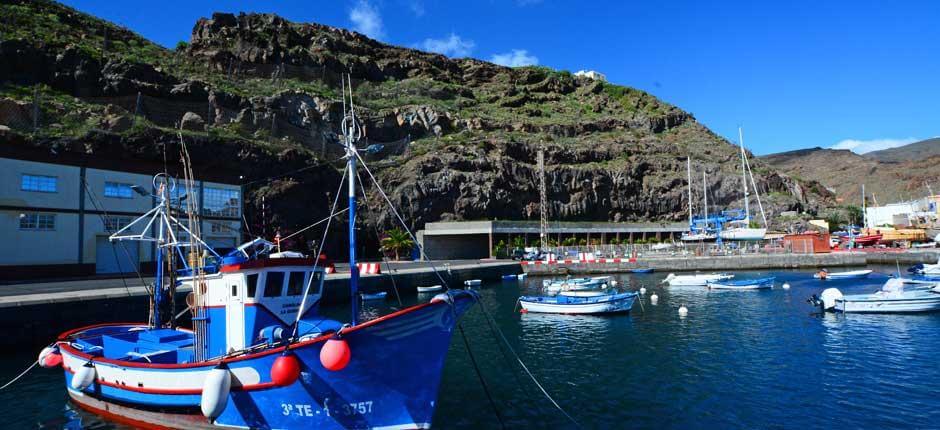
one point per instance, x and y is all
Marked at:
(68, 347)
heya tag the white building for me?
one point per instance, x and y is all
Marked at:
(902, 213)
(55, 218)
(591, 74)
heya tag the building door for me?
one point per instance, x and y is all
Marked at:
(117, 257)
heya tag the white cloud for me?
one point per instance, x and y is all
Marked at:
(417, 7)
(865, 146)
(366, 20)
(515, 58)
(451, 46)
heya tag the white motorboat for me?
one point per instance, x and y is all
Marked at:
(699, 237)
(562, 304)
(473, 282)
(892, 298)
(430, 289)
(696, 280)
(853, 274)
(743, 284)
(925, 269)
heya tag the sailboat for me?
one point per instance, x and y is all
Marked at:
(741, 229)
(259, 355)
(700, 234)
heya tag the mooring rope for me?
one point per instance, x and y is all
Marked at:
(476, 368)
(17, 378)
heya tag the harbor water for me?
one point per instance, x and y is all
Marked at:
(739, 359)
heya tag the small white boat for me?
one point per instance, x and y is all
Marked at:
(473, 282)
(373, 296)
(575, 284)
(925, 269)
(892, 298)
(522, 276)
(696, 280)
(431, 289)
(743, 233)
(698, 237)
(561, 304)
(854, 274)
(743, 284)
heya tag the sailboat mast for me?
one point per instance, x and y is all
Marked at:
(864, 216)
(688, 170)
(705, 194)
(747, 211)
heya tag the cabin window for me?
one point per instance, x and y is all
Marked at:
(295, 284)
(252, 285)
(273, 282)
(234, 290)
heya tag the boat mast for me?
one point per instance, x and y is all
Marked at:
(158, 280)
(864, 216)
(705, 194)
(688, 170)
(747, 211)
(349, 130)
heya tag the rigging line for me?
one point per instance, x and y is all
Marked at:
(375, 227)
(313, 225)
(401, 220)
(527, 371)
(476, 368)
(316, 261)
(103, 216)
(17, 378)
(281, 175)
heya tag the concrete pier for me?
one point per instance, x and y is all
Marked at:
(34, 313)
(736, 262)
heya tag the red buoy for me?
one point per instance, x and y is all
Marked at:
(286, 370)
(335, 354)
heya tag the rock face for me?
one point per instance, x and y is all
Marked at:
(449, 139)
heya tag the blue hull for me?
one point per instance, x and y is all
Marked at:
(392, 379)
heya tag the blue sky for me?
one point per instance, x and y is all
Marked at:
(856, 74)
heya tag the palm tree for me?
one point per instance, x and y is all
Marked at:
(396, 240)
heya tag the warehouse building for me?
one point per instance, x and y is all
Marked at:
(56, 217)
(476, 239)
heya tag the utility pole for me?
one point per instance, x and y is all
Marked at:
(543, 202)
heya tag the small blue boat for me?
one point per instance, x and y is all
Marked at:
(373, 296)
(510, 278)
(743, 284)
(566, 304)
(641, 270)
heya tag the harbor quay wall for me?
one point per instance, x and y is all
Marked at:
(35, 320)
(729, 262)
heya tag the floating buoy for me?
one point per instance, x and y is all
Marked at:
(335, 354)
(50, 357)
(215, 390)
(642, 290)
(523, 311)
(84, 376)
(654, 298)
(285, 370)
(683, 311)
(786, 286)
(613, 283)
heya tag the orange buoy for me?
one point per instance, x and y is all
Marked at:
(523, 311)
(286, 370)
(335, 354)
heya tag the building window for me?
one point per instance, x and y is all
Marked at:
(221, 202)
(38, 183)
(217, 227)
(34, 221)
(118, 190)
(115, 223)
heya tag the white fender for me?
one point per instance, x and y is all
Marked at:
(215, 390)
(84, 376)
(829, 296)
(45, 353)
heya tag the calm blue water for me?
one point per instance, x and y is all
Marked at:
(754, 359)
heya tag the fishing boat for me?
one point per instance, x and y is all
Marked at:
(431, 289)
(893, 297)
(743, 284)
(697, 280)
(741, 229)
(564, 304)
(259, 354)
(646, 270)
(853, 274)
(866, 240)
(366, 297)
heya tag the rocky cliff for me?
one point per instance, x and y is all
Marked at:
(451, 139)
